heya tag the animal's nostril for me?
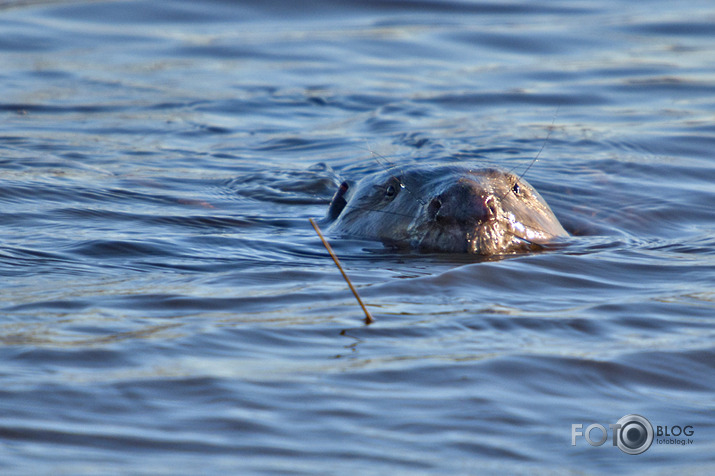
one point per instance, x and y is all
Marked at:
(434, 207)
(490, 207)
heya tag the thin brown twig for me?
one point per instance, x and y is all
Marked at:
(368, 316)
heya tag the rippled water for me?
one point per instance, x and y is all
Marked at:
(167, 308)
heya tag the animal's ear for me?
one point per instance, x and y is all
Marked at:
(338, 203)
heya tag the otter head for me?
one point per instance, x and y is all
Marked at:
(446, 209)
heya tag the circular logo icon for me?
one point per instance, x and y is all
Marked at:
(635, 434)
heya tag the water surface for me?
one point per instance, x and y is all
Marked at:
(166, 308)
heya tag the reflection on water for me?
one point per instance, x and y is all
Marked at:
(165, 297)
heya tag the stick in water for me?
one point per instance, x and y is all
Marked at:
(368, 317)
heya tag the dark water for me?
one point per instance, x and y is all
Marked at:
(167, 308)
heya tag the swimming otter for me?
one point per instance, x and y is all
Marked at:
(449, 209)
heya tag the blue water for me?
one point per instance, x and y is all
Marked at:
(166, 308)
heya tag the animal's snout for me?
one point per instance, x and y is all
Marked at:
(463, 203)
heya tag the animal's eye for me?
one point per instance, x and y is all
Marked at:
(516, 189)
(393, 188)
